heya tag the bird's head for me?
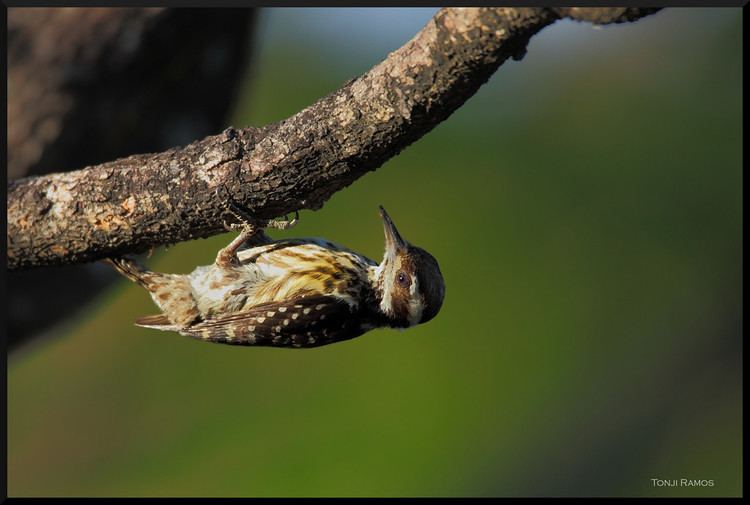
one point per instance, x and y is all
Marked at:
(409, 283)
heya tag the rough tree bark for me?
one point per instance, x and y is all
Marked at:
(133, 204)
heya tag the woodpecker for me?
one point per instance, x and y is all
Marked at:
(293, 292)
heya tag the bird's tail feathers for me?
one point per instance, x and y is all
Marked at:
(157, 322)
(129, 268)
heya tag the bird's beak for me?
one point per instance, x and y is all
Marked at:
(393, 241)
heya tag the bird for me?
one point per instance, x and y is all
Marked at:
(295, 293)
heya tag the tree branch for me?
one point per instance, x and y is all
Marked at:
(133, 204)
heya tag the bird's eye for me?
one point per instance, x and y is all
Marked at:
(403, 280)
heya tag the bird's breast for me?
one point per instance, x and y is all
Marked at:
(291, 269)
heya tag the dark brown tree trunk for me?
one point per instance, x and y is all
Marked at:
(87, 85)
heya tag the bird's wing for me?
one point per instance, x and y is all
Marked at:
(303, 322)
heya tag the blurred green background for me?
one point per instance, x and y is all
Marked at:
(585, 208)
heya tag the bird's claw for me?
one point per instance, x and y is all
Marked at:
(246, 221)
(284, 224)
